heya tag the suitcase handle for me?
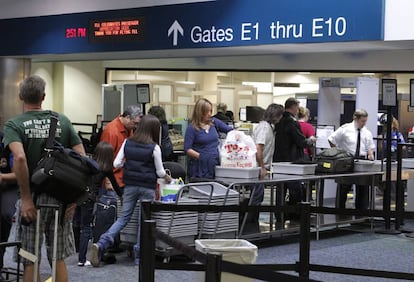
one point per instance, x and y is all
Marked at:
(49, 206)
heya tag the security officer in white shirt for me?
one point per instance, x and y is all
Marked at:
(362, 146)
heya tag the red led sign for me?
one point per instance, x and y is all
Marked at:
(75, 32)
(116, 29)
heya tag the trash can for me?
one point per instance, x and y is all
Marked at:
(232, 250)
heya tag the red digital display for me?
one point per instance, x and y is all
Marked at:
(116, 29)
(75, 32)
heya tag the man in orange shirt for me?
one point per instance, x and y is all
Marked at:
(118, 130)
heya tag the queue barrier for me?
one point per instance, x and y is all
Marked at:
(213, 265)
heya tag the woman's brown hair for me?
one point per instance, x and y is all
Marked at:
(148, 130)
(200, 110)
(103, 155)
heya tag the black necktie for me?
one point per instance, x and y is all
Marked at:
(358, 144)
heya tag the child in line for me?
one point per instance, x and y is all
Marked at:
(140, 156)
(103, 156)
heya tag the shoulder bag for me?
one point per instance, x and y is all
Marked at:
(63, 173)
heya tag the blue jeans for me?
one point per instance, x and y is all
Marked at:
(130, 197)
(257, 194)
(86, 215)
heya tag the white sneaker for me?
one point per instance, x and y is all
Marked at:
(86, 263)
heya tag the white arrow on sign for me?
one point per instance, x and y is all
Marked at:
(175, 28)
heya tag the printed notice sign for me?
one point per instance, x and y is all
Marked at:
(389, 92)
(322, 134)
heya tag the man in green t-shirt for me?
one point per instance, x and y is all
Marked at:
(26, 135)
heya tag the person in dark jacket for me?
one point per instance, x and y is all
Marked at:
(140, 156)
(290, 140)
(166, 144)
(289, 146)
(221, 113)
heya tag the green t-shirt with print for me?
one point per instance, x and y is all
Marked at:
(32, 130)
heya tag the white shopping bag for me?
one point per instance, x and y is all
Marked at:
(239, 150)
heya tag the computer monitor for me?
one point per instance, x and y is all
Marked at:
(254, 113)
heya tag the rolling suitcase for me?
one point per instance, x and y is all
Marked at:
(105, 215)
(35, 257)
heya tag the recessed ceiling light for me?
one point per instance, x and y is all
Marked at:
(368, 73)
(304, 72)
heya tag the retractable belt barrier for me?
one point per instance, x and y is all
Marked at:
(213, 265)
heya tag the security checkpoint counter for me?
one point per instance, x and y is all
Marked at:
(275, 183)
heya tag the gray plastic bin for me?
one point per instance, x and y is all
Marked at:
(232, 250)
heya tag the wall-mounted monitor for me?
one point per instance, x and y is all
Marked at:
(254, 113)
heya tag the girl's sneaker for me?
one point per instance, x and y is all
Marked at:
(86, 263)
(95, 255)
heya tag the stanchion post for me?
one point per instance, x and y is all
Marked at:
(304, 252)
(147, 252)
(399, 190)
(387, 191)
(145, 210)
(213, 267)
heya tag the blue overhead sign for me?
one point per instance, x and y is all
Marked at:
(221, 23)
